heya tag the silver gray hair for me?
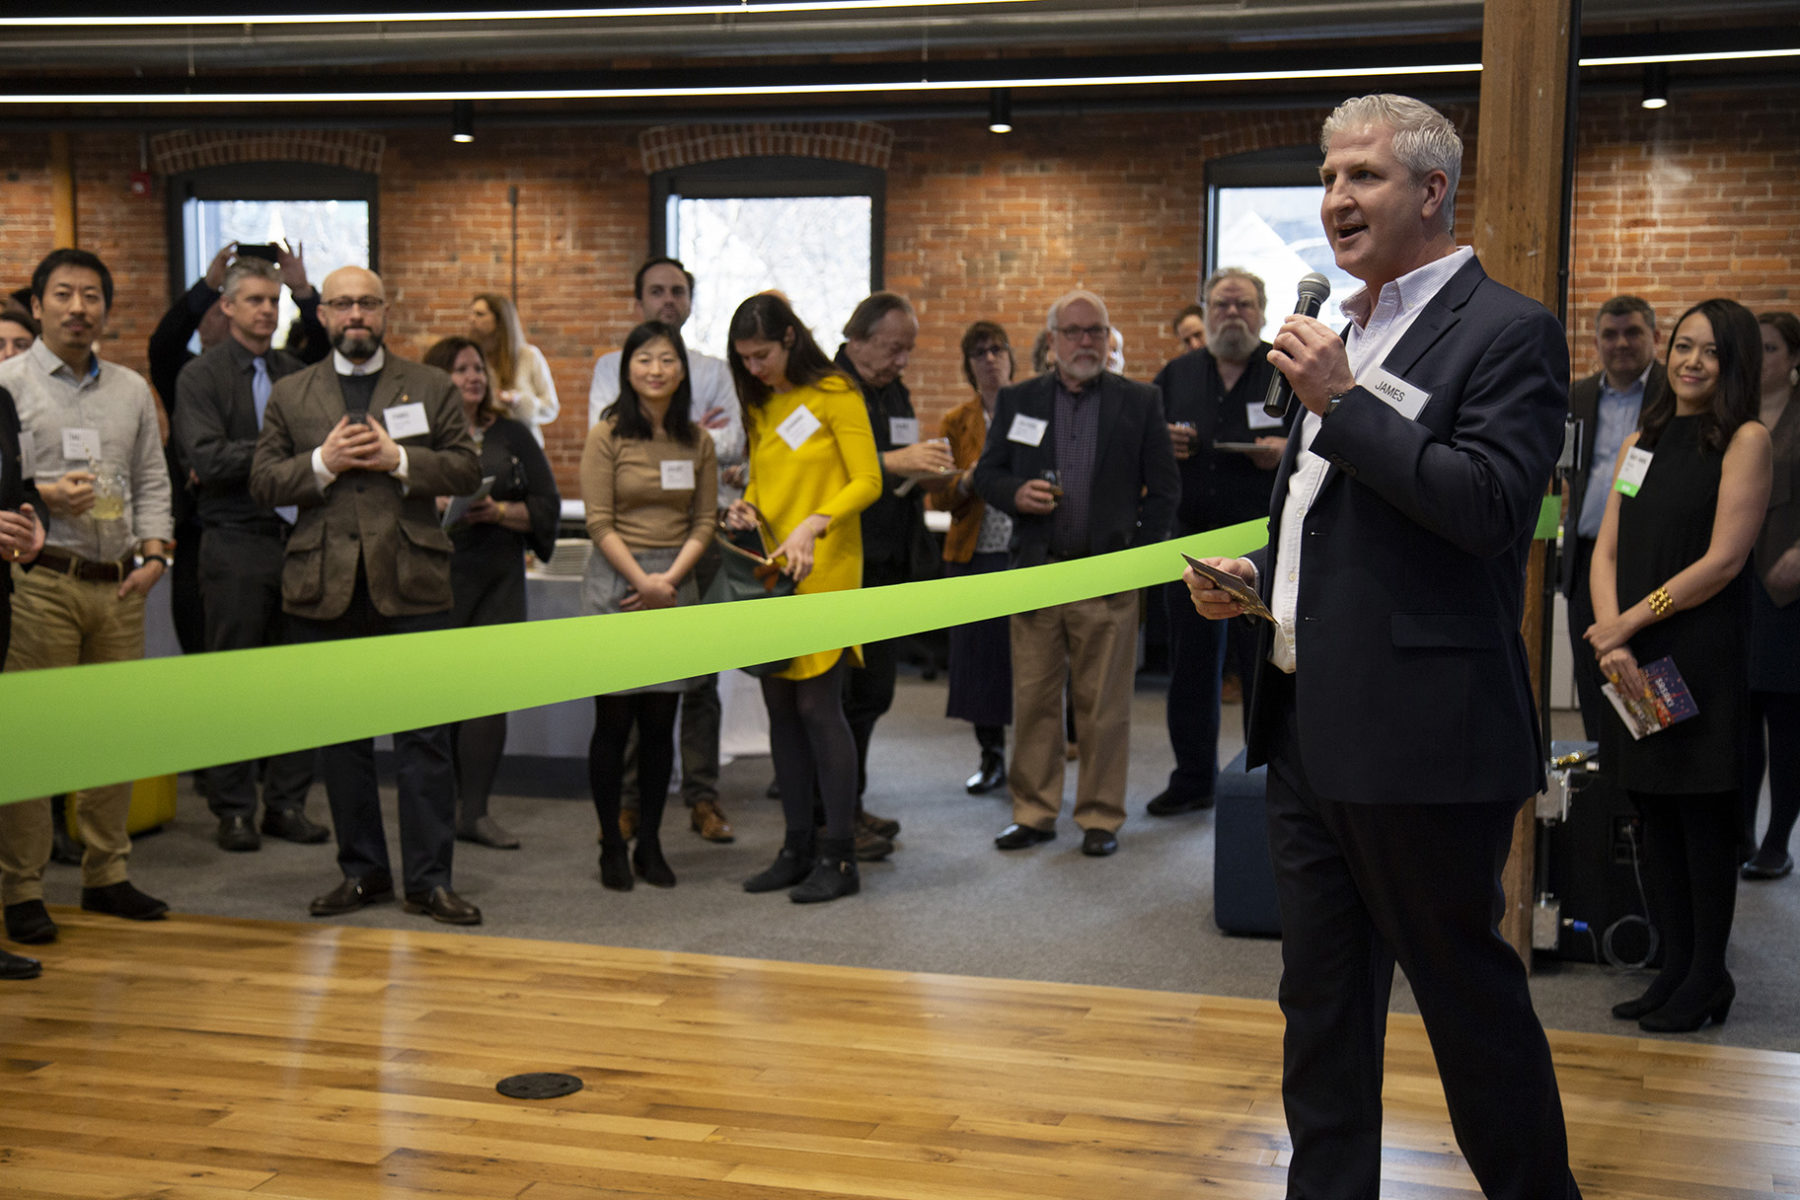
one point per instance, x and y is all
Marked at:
(249, 267)
(1223, 273)
(1424, 139)
(1070, 297)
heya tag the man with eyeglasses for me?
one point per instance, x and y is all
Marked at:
(1228, 449)
(1080, 459)
(363, 443)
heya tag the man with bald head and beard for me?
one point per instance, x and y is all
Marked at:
(363, 443)
(1213, 398)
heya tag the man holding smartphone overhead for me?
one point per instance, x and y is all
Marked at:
(363, 443)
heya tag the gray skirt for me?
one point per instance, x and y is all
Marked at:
(602, 588)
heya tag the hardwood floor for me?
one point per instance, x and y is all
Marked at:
(214, 1058)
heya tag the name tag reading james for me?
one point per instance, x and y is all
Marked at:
(678, 475)
(1632, 471)
(27, 454)
(405, 420)
(1027, 431)
(903, 431)
(81, 445)
(1259, 416)
(1400, 395)
(800, 425)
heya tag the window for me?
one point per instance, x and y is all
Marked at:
(808, 228)
(326, 212)
(1263, 215)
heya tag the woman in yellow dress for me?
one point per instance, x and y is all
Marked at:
(813, 469)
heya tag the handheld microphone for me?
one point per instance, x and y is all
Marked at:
(1314, 287)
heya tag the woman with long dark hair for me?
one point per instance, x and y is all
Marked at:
(487, 568)
(1775, 611)
(1668, 579)
(650, 482)
(813, 469)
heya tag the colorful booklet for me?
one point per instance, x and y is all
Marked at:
(1668, 700)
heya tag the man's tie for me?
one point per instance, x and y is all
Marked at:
(260, 386)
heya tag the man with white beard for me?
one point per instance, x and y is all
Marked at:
(1227, 449)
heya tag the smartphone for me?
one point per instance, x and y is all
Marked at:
(358, 416)
(270, 253)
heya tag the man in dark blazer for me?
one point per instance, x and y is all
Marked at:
(1608, 404)
(21, 537)
(1080, 459)
(363, 443)
(1392, 702)
(223, 394)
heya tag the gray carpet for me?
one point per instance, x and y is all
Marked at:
(946, 902)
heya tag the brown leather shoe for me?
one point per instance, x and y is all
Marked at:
(709, 822)
(442, 904)
(628, 821)
(353, 894)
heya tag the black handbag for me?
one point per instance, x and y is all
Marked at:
(746, 572)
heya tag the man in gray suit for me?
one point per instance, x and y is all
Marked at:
(363, 443)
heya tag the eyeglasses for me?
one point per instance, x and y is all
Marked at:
(990, 352)
(1083, 333)
(343, 304)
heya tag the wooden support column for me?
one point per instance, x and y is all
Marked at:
(1519, 215)
(62, 191)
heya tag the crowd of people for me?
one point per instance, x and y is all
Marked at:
(343, 491)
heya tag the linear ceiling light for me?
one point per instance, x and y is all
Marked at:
(745, 8)
(796, 89)
(1644, 60)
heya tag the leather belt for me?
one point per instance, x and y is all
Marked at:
(81, 568)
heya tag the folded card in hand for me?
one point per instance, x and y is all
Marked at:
(1236, 588)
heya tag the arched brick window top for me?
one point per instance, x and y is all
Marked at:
(192, 149)
(863, 143)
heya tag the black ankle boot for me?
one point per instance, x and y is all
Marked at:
(615, 866)
(1654, 997)
(652, 867)
(833, 875)
(790, 867)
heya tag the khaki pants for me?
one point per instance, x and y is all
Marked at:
(1094, 644)
(64, 622)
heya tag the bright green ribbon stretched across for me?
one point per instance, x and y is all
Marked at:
(81, 727)
(86, 726)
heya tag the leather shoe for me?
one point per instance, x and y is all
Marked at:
(237, 835)
(1760, 870)
(871, 846)
(1098, 843)
(122, 900)
(1168, 804)
(17, 966)
(442, 904)
(485, 831)
(868, 822)
(29, 922)
(292, 825)
(1017, 836)
(353, 894)
(709, 822)
(989, 776)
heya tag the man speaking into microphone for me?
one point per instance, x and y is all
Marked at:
(1392, 701)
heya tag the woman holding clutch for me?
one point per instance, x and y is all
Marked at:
(813, 469)
(1668, 580)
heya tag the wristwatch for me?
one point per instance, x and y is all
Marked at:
(1332, 402)
(140, 560)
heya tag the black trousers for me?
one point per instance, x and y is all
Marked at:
(1361, 888)
(1594, 708)
(869, 689)
(426, 776)
(1196, 666)
(240, 579)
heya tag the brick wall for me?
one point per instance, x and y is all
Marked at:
(1696, 200)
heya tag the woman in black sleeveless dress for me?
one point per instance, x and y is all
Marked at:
(1668, 580)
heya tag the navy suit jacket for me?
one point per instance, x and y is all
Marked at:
(1135, 484)
(1412, 684)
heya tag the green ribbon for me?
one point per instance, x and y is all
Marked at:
(78, 727)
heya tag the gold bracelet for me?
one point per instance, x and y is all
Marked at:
(1660, 602)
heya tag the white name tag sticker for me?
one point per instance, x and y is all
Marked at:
(27, 454)
(405, 420)
(678, 475)
(800, 425)
(1400, 395)
(903, 431)
(1027, 431)
(81, 445)
(1632, 471)
(1259, 416)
